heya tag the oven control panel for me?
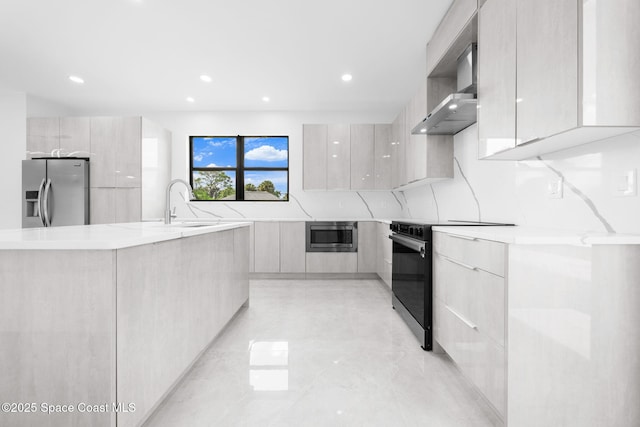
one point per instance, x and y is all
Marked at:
(407, 229)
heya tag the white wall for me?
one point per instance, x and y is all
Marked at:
(518, 191)
(302, 204)
(13, 137)
(40, 107)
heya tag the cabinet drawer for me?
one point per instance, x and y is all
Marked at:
(477, 356)
(477, 296)
(482, 254)
(330, 262)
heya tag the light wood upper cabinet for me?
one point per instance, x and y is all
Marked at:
(448, 31)
(417, 111)
(547, 68)
(363, 154)
(128, 151)
(43, 136)
(103, 153)
(574, 74)
(75, 136)
(399, 151)
(496, 76)
(383, 157)
(347, 157)
(53, 136)
(338, 157)
(314, 157)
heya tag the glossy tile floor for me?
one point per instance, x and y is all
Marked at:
(321, 353)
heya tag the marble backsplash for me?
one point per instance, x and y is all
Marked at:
(486, 190)
(518, 192)
(303, 205)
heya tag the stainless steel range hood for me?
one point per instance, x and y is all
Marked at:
(458, 110)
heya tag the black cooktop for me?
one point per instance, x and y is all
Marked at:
(422, 231)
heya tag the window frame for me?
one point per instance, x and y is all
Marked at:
(240, 168)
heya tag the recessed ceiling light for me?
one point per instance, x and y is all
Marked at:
(76, 79)
(334, 155)
(347, 77)
(265, 99)
(336, 142)
(205, 78)
(423, 130)
(190, 99)
(453, 106)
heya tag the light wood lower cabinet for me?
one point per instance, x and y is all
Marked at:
(113, 325)
(332, 262)
(367, 246)
(267, 247)
(384, 253)
(292, 247)
(280, 247)
(469, 295)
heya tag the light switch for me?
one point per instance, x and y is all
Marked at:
(625, 184)
(554, 188)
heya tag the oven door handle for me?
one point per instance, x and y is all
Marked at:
(410, 243)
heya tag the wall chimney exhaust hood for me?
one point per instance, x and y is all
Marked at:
(458, 110)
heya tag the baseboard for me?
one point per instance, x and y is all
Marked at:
(317, 276)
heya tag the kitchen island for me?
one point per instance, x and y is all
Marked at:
(99, 322)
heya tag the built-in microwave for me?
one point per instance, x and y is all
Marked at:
(335, 236)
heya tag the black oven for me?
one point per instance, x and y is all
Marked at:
(335, 236)
(411, 285)
(411, 277)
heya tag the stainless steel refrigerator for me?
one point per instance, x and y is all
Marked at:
(55, 192)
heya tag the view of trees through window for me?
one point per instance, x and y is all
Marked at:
(259, 166)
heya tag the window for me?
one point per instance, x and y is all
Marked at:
(257, 165)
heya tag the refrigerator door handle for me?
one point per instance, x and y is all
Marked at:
(40, 201)
(47, 188)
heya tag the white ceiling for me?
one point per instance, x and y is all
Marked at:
(147, 55)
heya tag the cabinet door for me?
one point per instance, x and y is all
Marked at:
(384, 253)
(292, 247)
(496, 77)
(128, 205)
(102, 205)
(267, 247)
(128, 152)
(410, 160)
(103, 153)
(75, 136)
(397, 153)
(332, 262)
(338, 157)
(314, 157)
(362, 157)
(367, 247)
(383, 157)
(43, 136)
(547, 68)
(418, 143)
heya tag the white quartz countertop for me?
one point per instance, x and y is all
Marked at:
(216, 220)
(107, 236)
(541, 236)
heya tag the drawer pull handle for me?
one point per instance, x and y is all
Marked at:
(465, 321)
(461, 264)
(473, 239)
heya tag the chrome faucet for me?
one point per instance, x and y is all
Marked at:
(167, 211)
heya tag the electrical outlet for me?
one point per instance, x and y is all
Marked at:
(625, 183)
(554, 188)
